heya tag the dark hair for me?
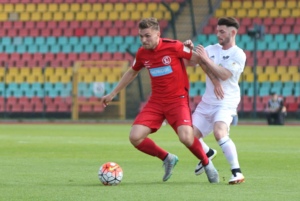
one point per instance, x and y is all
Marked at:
(229, 21)
(150, 22)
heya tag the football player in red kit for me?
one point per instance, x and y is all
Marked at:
(163, 58)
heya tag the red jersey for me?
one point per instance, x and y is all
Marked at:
(166, 68)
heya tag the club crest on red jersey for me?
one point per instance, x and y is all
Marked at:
(166, 60)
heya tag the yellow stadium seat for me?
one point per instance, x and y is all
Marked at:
(258, 4)
(146, 14)
(280, 4)
(63, 7)
(97, 7)
(252, 12)
(8, 8)
(94, 70)
(135, 15)
(30, 7)
(39, 78)
(1, 8)
(114, 15)
(270, 69)
(198, 70)
(86, 7)
(262, 77)
(3, 16)
(20, 8)
(30, 79)
(58, 16)
(292, 70)
(106, 70)
(130, 7)
(286, 12)
(295, 77)
(91, 16)
(65, 78)
(159, 14)
(230, 12)
(25, 71)
(52, 7)
(269, 4)
(112, 78)
(194, 77)
(236, 4)
(247, 4)
(141, 7)
(262, 13)
(41, 7)
(291, 4)
(69, 71)
(274, 77)
(274, 12)
(190, 70)
(108, 7)
(125, 15)
(295, 12)
(119, 7)
(88, 78)
(36, 71)
(241, 13)
(225, 4)
(99, 78)
(247, 70)
(152, 6)
(19, 79)
(25, 16)
(220, 13)
(47, 16)
(202, 77)
(249, 77)
(36, 16)
(285, 77)
(69, 16)
(162, 7)
(53, 79)
(281, 69)
(102, 16)
(174, 6)
(9, 78)
(80, 16)
(75, 7)
(167, 15)
(259, 70)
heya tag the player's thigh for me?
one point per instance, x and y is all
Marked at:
(203, 124)
(178, 114)
(222, 121)
(151, 116)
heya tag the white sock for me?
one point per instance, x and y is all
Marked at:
(204, 145)
(229, 151)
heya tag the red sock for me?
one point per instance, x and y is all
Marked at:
(149, 147)
(198, 151)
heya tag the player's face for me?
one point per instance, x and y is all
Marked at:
(224, 35)
(149, 38)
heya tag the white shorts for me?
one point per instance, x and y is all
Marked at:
(206, 115)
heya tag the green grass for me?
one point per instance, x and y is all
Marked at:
(61, 162)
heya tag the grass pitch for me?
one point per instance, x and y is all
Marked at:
(61, 162)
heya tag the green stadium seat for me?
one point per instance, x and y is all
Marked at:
(84, 40)
(95, 40)
(21, 48)
(67, 48)
(32, 49)
(62, 40)
(55, 48)
(50, 40)
(28, 40)
(89, 48)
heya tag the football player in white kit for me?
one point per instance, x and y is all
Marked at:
(223, 64)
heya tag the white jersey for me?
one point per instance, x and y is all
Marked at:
(234, 60)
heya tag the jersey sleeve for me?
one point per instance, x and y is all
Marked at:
(137, 64)
(183, 51)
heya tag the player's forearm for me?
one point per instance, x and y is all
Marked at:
(208, 72)
(125, 80)
(218, 71)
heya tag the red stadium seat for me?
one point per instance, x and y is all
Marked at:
(292, 107)
(52, 24)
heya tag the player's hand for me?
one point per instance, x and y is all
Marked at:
(201, 52)
(105, 100)
(189, 44)
(218, 90)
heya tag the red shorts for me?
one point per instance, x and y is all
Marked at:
(176, 112)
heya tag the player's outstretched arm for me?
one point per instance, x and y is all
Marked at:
(125, 80)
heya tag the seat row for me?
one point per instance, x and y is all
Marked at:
(58, 60)
(259, 4)
(86, 7)
(58, 89)
(86, 1)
